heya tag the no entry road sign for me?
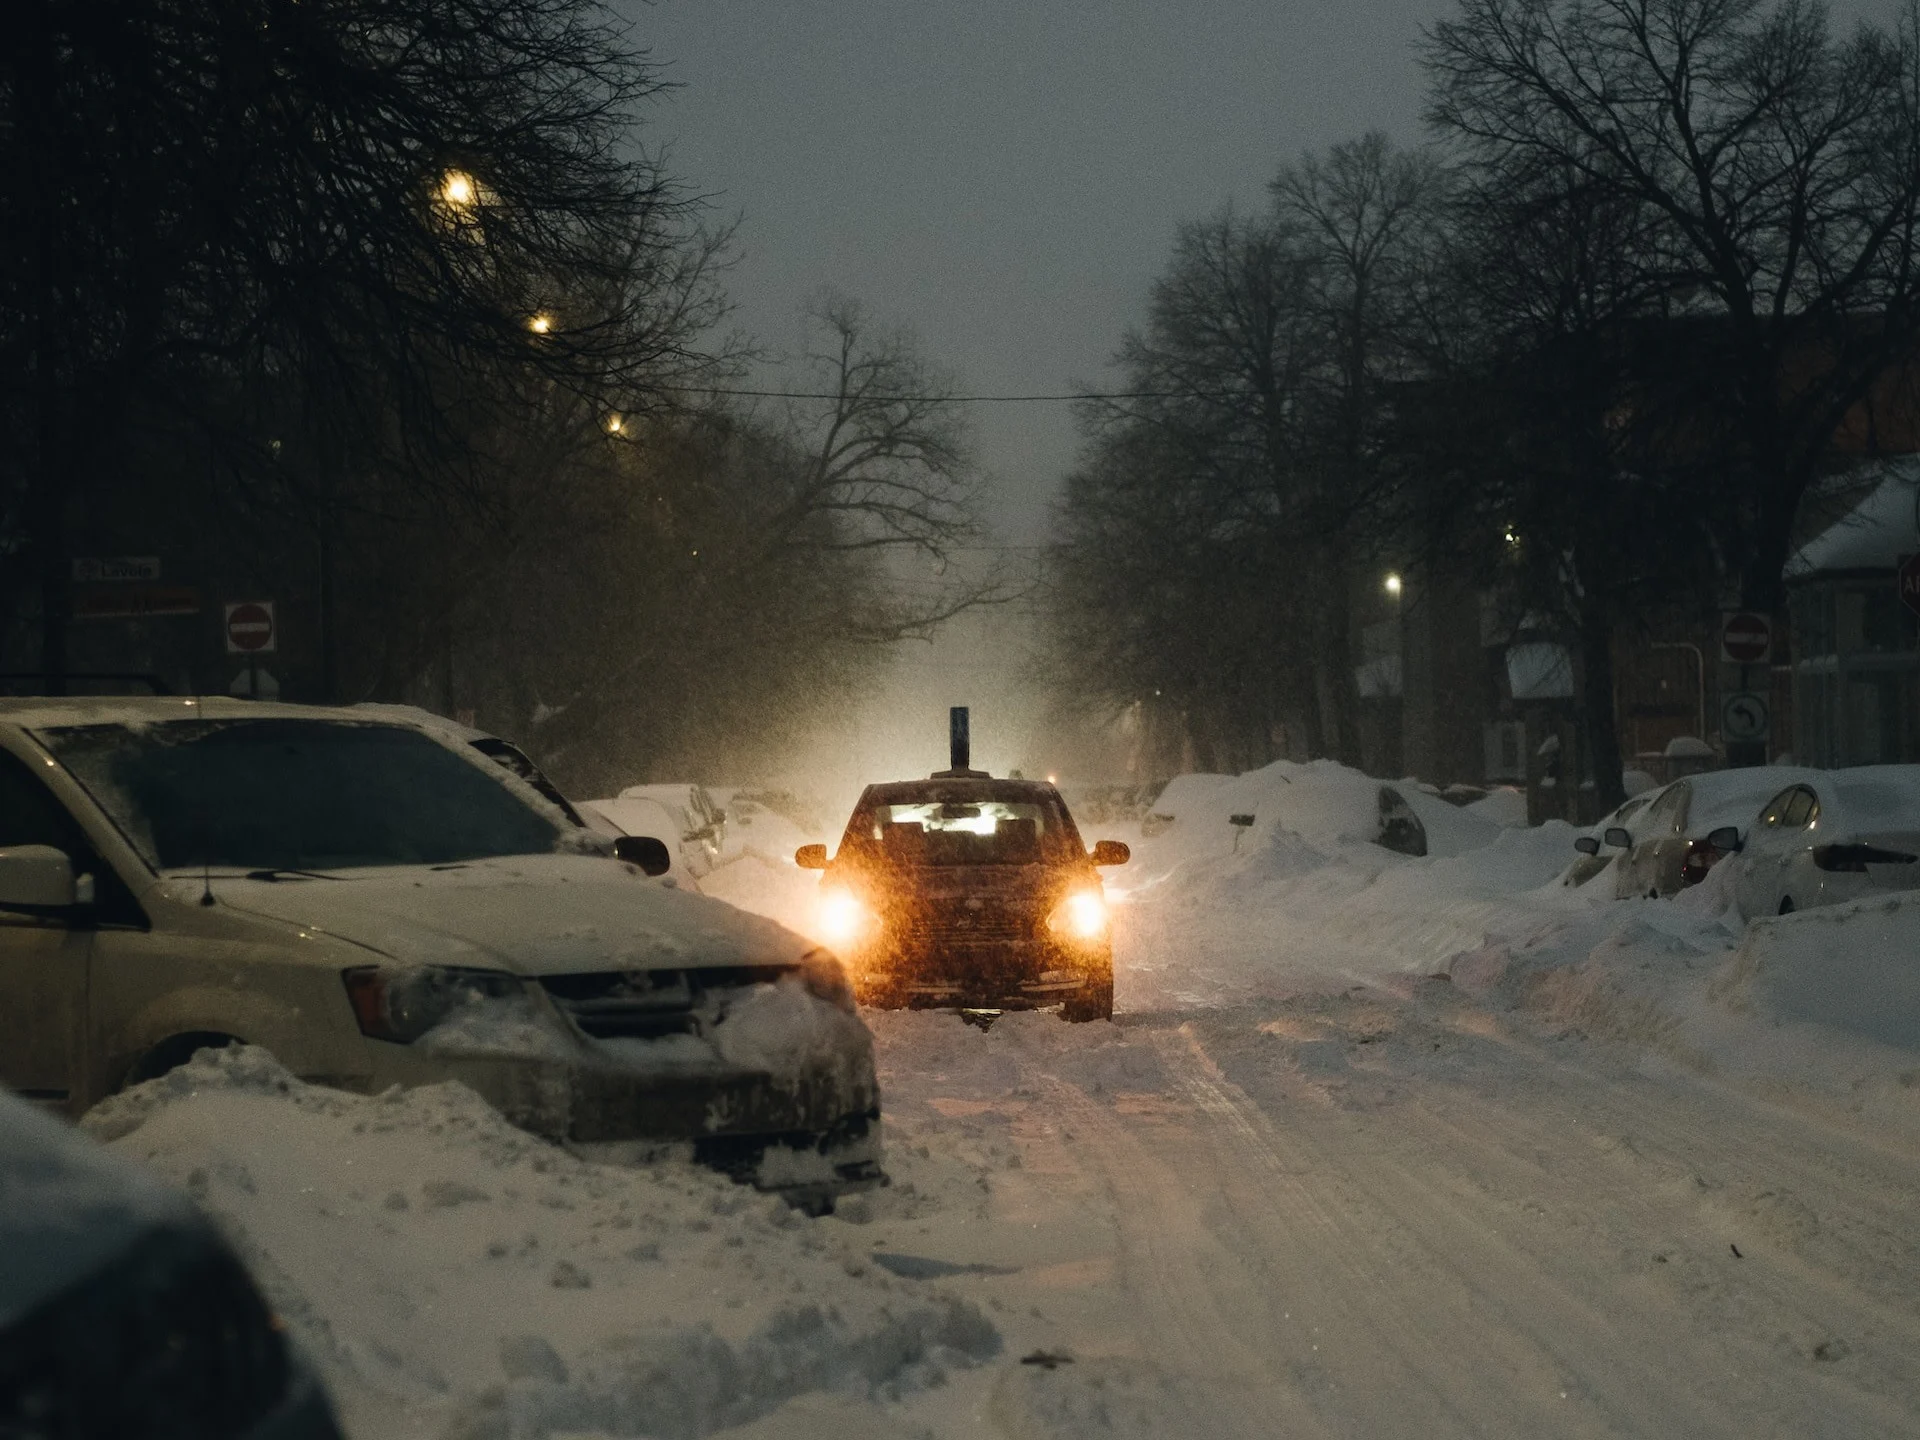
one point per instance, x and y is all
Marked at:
(250, 628)
(1746, 637)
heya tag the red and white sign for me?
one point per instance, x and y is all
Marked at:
(250, 627)
(1909, 577)
(1746, 637)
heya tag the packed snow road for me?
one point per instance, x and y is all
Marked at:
(1377, 1145)
(1375, 1215)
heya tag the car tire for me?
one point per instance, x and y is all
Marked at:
(1095, 1002)
(172, 1053)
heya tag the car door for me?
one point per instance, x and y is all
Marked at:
(1796, 878)
(1653, 839)
(43, 961)
(1756, 886)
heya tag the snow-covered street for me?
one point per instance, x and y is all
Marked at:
(1376, 1146)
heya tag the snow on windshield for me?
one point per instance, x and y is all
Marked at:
(275, 794)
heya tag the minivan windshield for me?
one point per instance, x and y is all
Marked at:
(277, 794)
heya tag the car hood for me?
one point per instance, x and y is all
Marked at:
(531, 914)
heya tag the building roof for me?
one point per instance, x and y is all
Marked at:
(1875, 535)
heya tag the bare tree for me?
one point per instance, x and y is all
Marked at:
(1783, 168)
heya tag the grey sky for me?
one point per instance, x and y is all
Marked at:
(1004, 177)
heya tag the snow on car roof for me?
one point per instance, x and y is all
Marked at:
(50, 712)
(1734, 797)
(1879, 796)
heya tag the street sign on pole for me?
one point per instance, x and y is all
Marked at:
(250, 628)
(1743, 716)
(1746, 637)
(1909, 577)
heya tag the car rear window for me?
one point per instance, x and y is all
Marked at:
(275, 794)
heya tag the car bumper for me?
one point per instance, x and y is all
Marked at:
(595, 1103)
(998, 974)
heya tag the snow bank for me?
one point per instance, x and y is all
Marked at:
(1854, 968)
(452, 1276)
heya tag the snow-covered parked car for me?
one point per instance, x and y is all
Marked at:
(620, 820)
(1321, 801)
(1837, 835)
(1595, 850)
(703, 824)
(377, 906)
(1669, 845)
(122, 1311)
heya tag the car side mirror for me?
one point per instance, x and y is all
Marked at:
(1110, 852)
(1587, 845)
(1726, 839)
(645, 851)
(1618, 837)
(811, 857)
(38, 879)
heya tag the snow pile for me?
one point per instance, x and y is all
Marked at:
(1505, 806)
(1210, 913)
(1854, 968)
(452, 1276)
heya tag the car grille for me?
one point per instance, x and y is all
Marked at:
(971, 918)
(646, 1004)
(172, 1340)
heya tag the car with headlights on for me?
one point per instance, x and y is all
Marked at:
(123, 1314)
(378, 905)
(1834, 836)
(968, 892)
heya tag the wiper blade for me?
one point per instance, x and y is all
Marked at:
(286, 873)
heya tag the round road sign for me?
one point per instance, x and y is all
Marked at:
(1746, 637)
(250, 627)
(1743, 716)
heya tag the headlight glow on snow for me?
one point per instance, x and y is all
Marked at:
(843, 918)
(1082, 915)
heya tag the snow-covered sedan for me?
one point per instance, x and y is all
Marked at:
(1670, 844)
(377, 905)
(1837, 835)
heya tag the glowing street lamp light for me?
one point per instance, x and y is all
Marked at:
(1393, 586)
(458, 189)
(540, 324)
(615, 425)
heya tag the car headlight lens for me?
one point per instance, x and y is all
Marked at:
(403, 1003)
(845, 919)
(1081, 916)
(826, 978)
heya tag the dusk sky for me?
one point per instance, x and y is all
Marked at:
(1005, 177)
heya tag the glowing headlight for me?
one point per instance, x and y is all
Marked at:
(1081, 916)
(844, 919)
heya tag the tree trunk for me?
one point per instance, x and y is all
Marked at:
(1597, 711)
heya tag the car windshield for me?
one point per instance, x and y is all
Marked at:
(954, 832)
(297, 795)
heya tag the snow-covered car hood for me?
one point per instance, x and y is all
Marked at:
(531, 914)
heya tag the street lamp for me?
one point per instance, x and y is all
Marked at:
(615, 425)
(458, 190)
(1393, 585)
(540, 324)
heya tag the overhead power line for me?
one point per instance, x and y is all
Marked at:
(943, 399)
